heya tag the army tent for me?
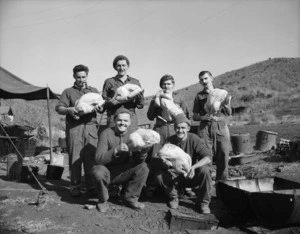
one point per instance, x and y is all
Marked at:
(12, 87)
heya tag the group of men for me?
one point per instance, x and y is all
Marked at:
(108, 160)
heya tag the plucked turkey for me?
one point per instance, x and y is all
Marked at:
(169, 108)
(174, 156)
(127, 92)
(87, 103)
(143, 138)
(214, 100)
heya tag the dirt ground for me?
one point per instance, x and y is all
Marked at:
(56, 212)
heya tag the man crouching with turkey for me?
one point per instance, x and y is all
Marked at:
(120, 160)
(187, 161)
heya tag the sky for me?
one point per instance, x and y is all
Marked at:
(42, 40)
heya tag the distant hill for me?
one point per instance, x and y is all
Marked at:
(272, 85)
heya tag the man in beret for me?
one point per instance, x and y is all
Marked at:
(199, 175)
(117, 165)
(121, 64)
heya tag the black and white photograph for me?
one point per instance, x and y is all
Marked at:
(149, 116)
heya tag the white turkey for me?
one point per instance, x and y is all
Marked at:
(143, 138)
(169, 108)
(214, 100)
(87, 103)
(174, 156)
(127, 92)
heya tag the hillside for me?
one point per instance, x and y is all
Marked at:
(271, 85)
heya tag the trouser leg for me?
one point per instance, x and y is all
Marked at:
(167, 180)
(133, 178)
(75, 144)
(88, 154)
(222, 154)
(203, 181)
(102, 178)
(204, 132)
(155, 164)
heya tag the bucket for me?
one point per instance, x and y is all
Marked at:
(54, 172)
(241, 143)
(62, 142)
(265, 140)
(26, 175)
(14, 165)
(57, 160)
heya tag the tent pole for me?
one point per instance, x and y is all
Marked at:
(49, 120)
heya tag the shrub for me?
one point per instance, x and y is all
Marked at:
(247, 97)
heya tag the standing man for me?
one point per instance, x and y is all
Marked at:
(198, 177)
(81, 133)
(213, 128)
(121, 65)
(165, 127)
(116, 165)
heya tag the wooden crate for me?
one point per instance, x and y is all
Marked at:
(182, 221)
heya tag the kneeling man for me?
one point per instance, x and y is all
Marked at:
(116, 164)
(198, 177)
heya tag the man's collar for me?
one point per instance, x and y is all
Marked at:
(127, 79)
(204, 91)
(181, 141)
(85, 86)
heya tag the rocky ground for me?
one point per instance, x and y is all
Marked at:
(24, 209)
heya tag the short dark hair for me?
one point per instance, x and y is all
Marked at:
(203, 73)
(122, 110)
(118, 58)
(79, 68)
(165, 78)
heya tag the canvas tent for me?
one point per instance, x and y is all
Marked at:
(13, 87)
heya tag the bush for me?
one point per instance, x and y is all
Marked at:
(247, 97)
(262, 118)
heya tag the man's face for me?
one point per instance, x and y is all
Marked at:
(122, 67)
(168, 86)
(123, 121)
(80, 78)
(182, 130)
(206, 80)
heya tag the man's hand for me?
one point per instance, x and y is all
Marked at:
(167, 163)
(156, 98)
(191, 173)
(99, 108)
(139, 95)
(73, 112)
(227, 101)
(114, 101)
(159, 93)
(206, 117)
(121, 148)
